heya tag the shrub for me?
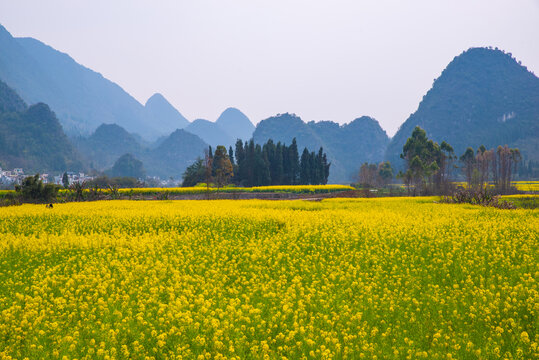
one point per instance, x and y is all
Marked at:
(477, 197)
(10, 199)
(77, 190)
(32, 189)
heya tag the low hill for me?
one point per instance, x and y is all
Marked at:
(483, 97)
(32, 137)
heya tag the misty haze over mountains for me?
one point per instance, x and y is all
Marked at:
(483, 97)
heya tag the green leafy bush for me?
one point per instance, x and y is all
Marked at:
(32, 189)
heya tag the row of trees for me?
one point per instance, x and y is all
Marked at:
(497, 165)
(278, 164)
(253, 164)
(314, 168)
(429, 166)
(212, 168)
(528, 169)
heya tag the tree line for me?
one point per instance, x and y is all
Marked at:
(251, 164)
(429, 165)
(497, 165)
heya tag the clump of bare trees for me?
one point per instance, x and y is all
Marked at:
(495, 166)
(429, 166)
(477, 197)
(372, 175)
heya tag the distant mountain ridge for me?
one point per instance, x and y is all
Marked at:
(9, 100)
(160, 111)
(347, 146)
(169, 158)
(231, 125)
(106, 145)
(83, 99)
(236, 124)
(483, 97)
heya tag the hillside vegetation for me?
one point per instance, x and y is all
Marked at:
(31, 137)
(483, 97)
(347, 146)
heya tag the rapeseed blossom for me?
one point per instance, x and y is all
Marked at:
(382, 278)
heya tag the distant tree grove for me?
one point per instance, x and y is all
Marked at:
(259, 165)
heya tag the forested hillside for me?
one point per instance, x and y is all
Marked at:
(236, 124)
(160, 112)
(483, 97)
(211, 133)
(82, 98)
(106, 145)
(31, 137)
(174, 154)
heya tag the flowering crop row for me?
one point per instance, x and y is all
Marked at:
(388, 278)
(296, 189)
(530, 186)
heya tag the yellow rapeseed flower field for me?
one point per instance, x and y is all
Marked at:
(529, 186)
(388, 278)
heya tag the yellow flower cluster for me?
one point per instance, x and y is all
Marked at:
(529, 186)
(388, 278)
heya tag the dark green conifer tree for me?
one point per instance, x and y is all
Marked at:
(305, 168)
(294, 162)
(231, 155)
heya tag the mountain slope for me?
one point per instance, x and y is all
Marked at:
(174, 154)
(9, 100)
(161, 113)
(352, 144)
(285, 127)
(82, 98)
(347, 146)
(483, 97)
(170, 158)
(236, 124)
(32, 138)
(106, 145)
(211, 133)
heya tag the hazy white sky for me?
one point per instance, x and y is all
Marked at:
(323, 60)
